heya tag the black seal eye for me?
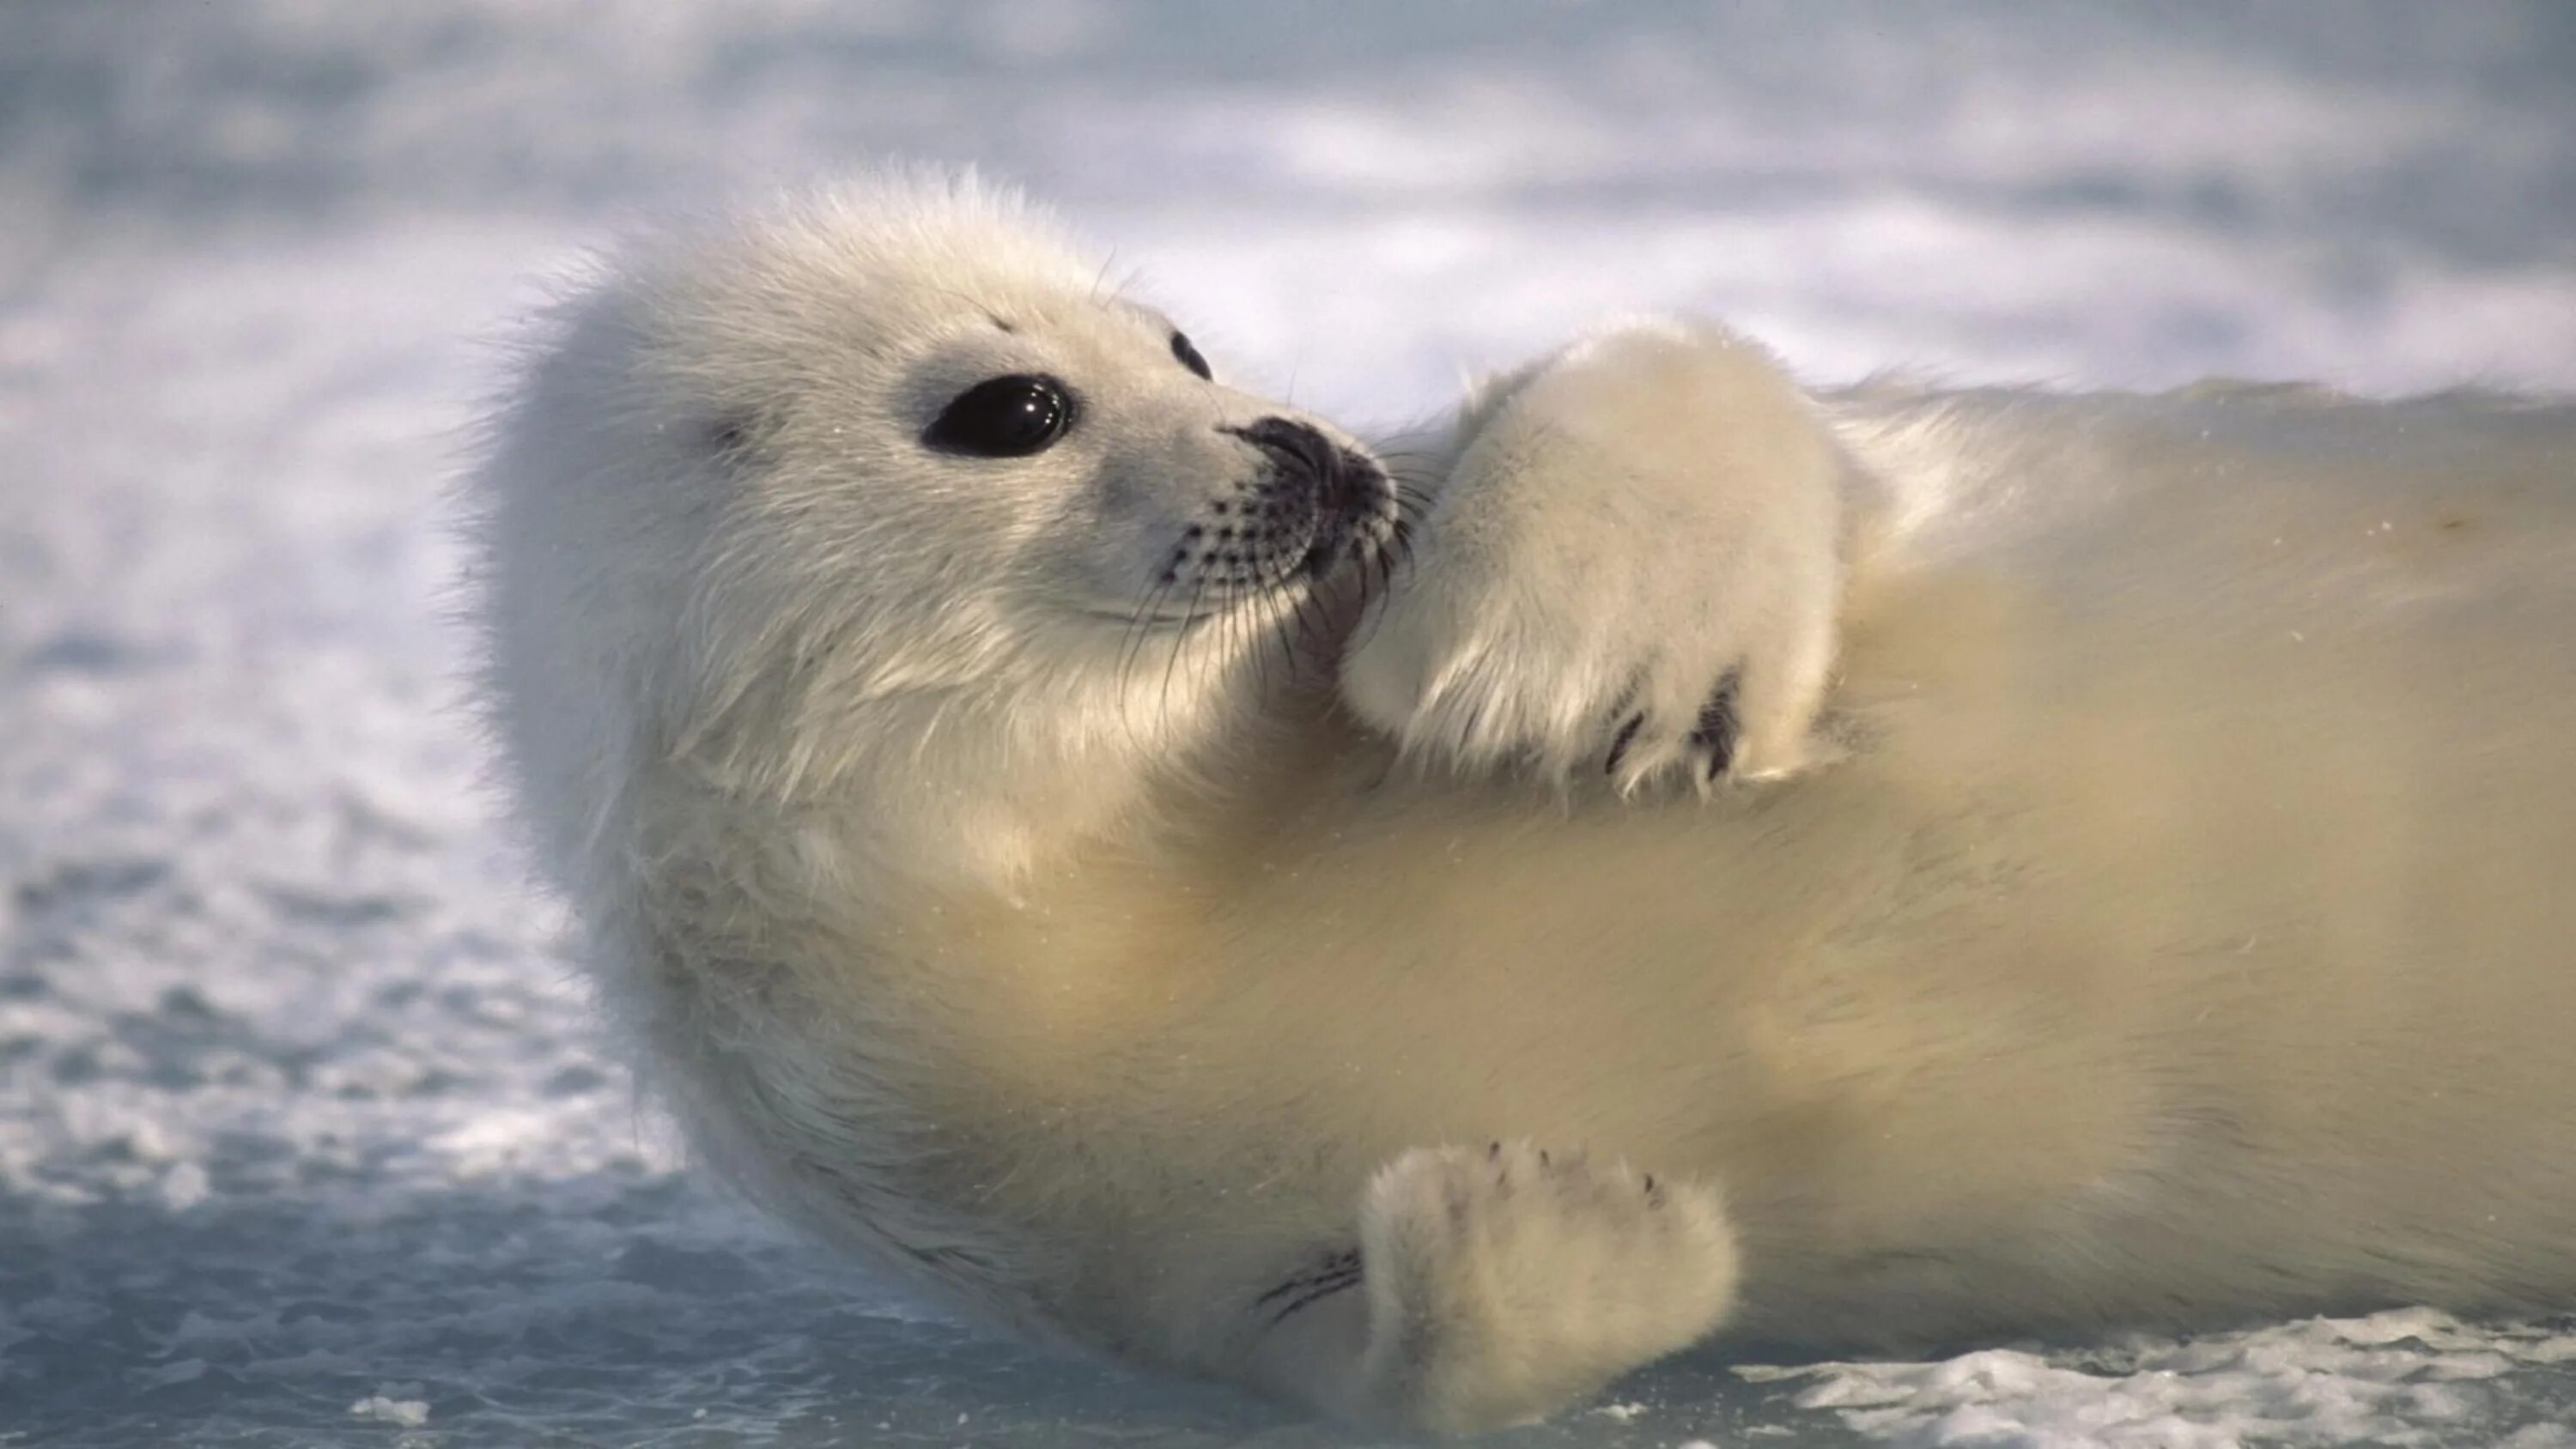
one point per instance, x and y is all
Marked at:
(1190, 358)
(1005, 417)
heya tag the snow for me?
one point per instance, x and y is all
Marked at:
(304, 1139)
(2410, 1376)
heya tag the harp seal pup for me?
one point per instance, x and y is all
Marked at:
(2081, 861)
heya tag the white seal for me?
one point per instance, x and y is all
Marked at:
(1857, 871)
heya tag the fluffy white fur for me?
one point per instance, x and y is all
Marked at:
(1641, 544)
(2176, 929)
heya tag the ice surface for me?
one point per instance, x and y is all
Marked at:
(302, 1138)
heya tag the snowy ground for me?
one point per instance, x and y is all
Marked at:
(302, 1140)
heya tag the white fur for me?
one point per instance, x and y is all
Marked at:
(1626, 528)
(2183, 935)
(1563, 1271)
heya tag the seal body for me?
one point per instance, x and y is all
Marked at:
(2094, 861)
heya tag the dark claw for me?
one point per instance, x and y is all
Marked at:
(1316, 1289)
(1718, 727)
(1336, 1270)
(1619, 743)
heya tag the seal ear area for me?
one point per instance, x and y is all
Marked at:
(730, 444)
(729, 438)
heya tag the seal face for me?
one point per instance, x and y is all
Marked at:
(831, 491)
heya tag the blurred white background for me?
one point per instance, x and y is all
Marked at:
(302, 1140)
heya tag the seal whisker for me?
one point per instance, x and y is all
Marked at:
(1180, 641)
(1131, 643)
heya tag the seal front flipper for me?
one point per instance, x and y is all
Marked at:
(1632, 571)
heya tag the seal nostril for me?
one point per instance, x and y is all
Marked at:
(1303, 450)
(1292, 443)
